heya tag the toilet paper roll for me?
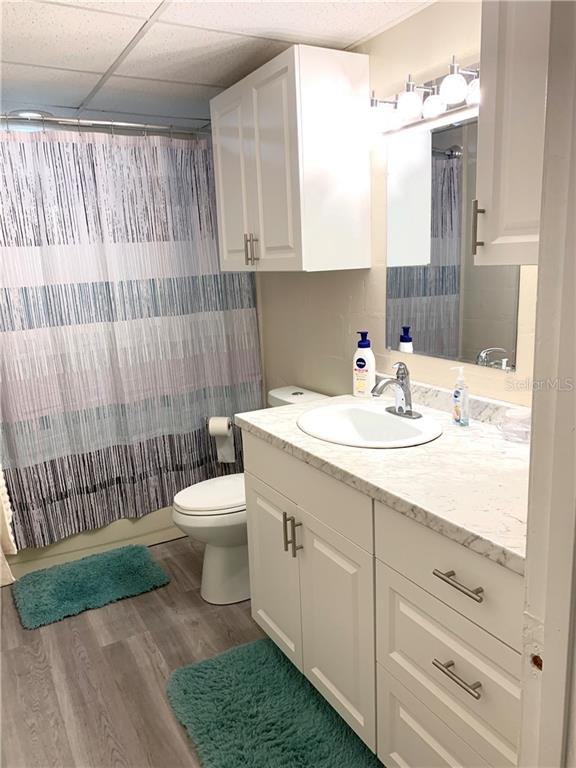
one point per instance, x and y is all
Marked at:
(220, 427)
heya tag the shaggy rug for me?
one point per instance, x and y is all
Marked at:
(251, 708)
(52, 594)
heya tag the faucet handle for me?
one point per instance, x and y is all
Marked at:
(402, 371)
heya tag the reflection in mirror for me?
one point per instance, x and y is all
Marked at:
(455, 309)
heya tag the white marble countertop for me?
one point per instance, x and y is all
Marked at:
(470, 484)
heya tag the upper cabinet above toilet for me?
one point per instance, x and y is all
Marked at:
(292, 164)
(514, 61)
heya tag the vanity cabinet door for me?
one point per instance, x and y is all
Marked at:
(337, 588)
(230, 121)
(274, 573)
(514, 61)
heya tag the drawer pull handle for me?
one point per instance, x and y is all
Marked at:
(470, 688)
(449, 578)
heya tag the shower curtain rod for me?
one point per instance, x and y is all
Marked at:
(80, 122)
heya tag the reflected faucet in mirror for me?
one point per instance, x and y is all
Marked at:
(484, 358)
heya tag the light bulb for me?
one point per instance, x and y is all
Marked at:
(433, 106)
(409, 105)
(473, 95)
(394, 120)
(453, 88)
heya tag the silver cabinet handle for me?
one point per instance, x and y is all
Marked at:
(246, 253)
(290, 540)
(448, 577)
(293, 526)
(470, 688)
(285, 539)
(253, 256)
(475, 212)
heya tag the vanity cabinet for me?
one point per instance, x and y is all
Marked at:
(413, 638)
(514, 62)
(292, 170)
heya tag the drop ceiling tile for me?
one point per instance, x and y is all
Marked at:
(335, 24)
(154, 97)
(40, 86)
(64, 36)
(185, 54)
(137, 8)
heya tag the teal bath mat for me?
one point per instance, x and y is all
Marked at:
(251, 708)
(52, 594)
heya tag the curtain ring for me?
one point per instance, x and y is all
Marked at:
(43, 125)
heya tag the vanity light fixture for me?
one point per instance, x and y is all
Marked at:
(385, 115)
(410, 101)
(454, 87)
(433, 104)
(417, 103)
(473, 95)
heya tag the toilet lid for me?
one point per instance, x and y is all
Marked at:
(213, 497)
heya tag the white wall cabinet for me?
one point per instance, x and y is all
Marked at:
(514, 65)
(292, 164)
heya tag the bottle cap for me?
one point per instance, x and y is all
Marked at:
(364, 342)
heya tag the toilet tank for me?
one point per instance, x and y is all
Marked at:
(292, 394)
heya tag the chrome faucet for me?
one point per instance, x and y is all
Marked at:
(402, 382)
(483, 358)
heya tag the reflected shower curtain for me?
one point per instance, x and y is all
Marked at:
(427, 297)
(119, 333)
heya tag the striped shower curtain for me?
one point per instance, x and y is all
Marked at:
(119, 333)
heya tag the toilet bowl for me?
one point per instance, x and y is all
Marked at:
(214, 512)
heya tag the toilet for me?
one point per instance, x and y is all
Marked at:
(214, 512)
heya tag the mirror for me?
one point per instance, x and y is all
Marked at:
(455, 309)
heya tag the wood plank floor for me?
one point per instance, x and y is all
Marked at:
(89, 691)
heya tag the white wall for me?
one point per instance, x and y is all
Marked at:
(309, 321)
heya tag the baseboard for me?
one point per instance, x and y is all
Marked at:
(154, 528)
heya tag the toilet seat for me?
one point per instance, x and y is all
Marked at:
(218, 496)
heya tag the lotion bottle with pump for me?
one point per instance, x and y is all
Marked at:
(406, 344)
(460, 399)
(363, 368)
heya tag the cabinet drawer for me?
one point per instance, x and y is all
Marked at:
(419, 553)
(345, 510)
(411, 736)
(466, 676)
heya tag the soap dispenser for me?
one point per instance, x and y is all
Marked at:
(363, 368)
(460, 399)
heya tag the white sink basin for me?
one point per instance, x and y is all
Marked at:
(367, 425)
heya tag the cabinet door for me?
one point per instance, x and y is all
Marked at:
(273, 181)
(514, 62)
(229, 119)
(337, 588)
(274, 573)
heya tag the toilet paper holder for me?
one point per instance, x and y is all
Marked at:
(221, 428)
